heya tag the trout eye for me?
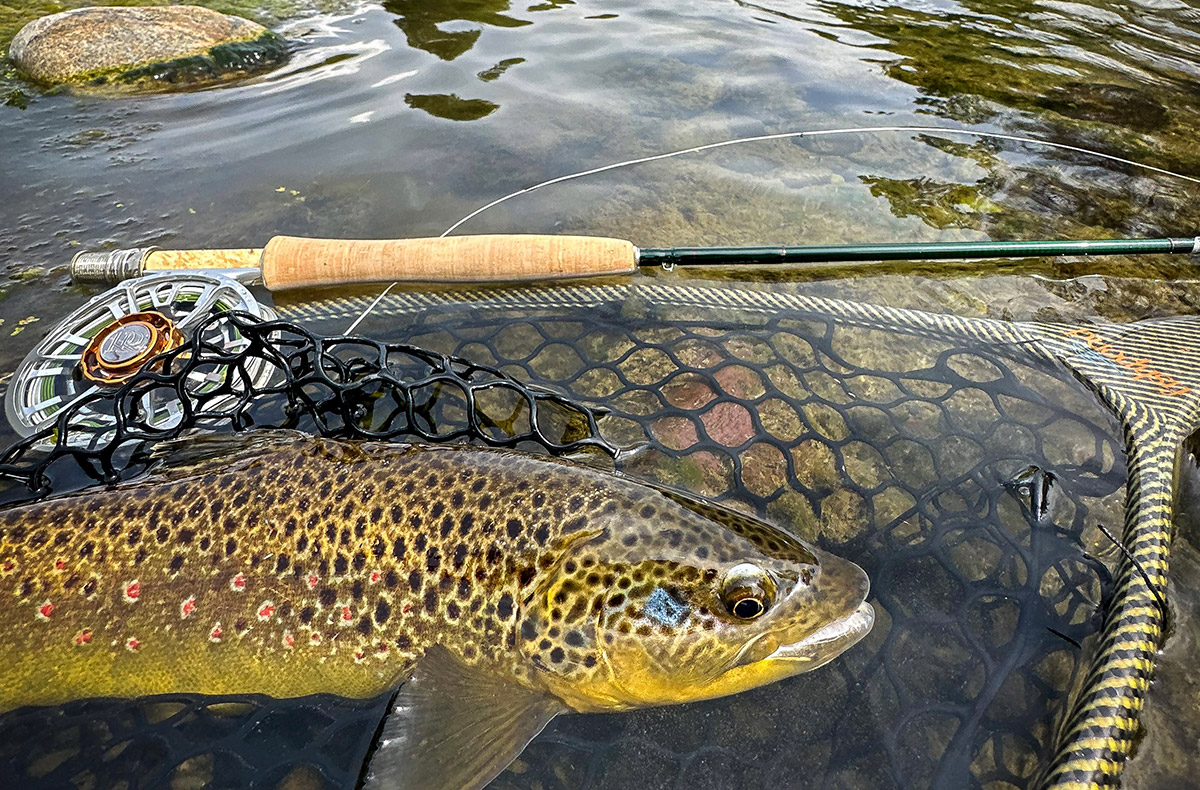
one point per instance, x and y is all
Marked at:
(747, 591)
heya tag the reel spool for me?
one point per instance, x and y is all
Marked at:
(113, 336)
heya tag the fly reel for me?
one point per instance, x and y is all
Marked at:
(115, 335)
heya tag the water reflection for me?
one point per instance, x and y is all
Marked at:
(424, 23)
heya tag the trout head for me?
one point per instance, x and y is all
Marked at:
(671, 600)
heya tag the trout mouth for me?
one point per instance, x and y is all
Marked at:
(830, 641)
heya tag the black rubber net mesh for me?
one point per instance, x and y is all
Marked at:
(970, 481)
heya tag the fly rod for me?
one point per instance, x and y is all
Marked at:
(289, 262)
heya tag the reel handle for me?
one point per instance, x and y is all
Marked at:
(289, 262)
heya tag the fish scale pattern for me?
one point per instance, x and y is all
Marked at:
(969, 477)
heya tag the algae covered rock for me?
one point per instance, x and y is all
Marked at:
(125, 45)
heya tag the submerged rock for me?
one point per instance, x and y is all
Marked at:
(120, 45)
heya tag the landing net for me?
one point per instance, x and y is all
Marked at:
(971, 467)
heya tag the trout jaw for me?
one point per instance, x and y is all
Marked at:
(809, 653)
(829, 642)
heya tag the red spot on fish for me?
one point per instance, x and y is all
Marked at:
(132, 591)
(216, 633)
(312, 582)
(359, 657)
(375, 577)
(288, 639)
(83, 637)
(407, 608)
(381, 649)
(8, 566)
(188, 606)
(238, 583)
(59, 565)
(45, 610)
(347, 615)
(266, 611)
(133, 645)
(314, 638)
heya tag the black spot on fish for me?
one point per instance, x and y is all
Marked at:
(176, 563)
(383, 611)
(514, 528)
(589, 661)
(403, 642)
(328, 596)
(493, 554)
(414, 581)
(306, 614)
(340, 565)
(466, 523)
(359, 561)
(437, 510)
(345, 537)
(526, 576)
(281, 563)
(420, 542)
(464, 589)
(241, 499)
(447, 526)
(575, 503)
(433, 559)
(356, 589)
(456, 499)
(378, 547)
(398, 548)
(539, 499)
(376, 514)
(478, 485)
(504, 608)
(485, 501)
(364, 625)
(302, 543)
(360, 527)
(391, 579)
(453, 611)
(648, 511)
(557, 655)
(87, 549)
(89, 588)
(289, 527)
(574, 639)
(528, 630)
(430, 601)
(544, 644)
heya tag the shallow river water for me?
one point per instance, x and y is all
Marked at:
(396, 120)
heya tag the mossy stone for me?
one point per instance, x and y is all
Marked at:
(126, 45)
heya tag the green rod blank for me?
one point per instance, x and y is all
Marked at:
(757, 256)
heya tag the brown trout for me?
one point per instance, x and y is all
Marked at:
(495, 589)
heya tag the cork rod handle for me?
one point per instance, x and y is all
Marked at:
(291, 262)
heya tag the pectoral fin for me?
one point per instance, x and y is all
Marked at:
(453, 727)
